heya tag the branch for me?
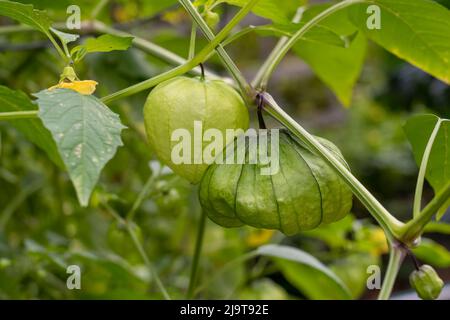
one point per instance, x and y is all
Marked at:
(414, 228)
(18, 115)
(395, 261)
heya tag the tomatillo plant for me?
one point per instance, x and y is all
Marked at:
(311, 187)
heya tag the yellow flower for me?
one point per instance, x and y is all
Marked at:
(378, 239)
(259, 237)
(86, 87)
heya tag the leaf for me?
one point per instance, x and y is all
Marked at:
(339, 68)
(65, 37)
(32, 129)
(307, 273)
(432, 253)
(418, 130)
(26, 14)
(417, 31)
(104, 43)
(317, 34)
(275, 10)
(87, 134)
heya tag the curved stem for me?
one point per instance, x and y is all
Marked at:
(262, 76)
(18, 115)
(98, 8)
(423, 169)
(279, 55)
(228, 62)
(413, 229)
(395, 261)
(188, 65)
(197, 253)
(389, 223)
(140, 249)
(142, 195)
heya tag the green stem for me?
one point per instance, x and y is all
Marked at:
(142, 195)
(228, 62)
(199, 58)
(262, 76)
(423, 169)
(192, 41)
(18, 115)
(276, 59)
(98, 8)
(144, 256)
(146, 46)
(15, 28)
(140, 249)
(395, 261)
(414, 228)
(197, 253)
(389, 223)
(64, 57)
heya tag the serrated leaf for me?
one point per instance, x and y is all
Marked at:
(317, 34)
(308, 274)
(339, 68)
(86, 132)
(32, 129)
(418, 130)
(275, 10)
(65, 37)
(104, 43)
(26, 14)
(417, 31)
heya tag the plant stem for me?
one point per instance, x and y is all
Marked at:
(395, 261)
(188, 65)
(423, 169)
(413, 229)
(192, 41)
(61, 53)
(144, 256)
(197, 253)
(389, 223)
(246, 89)
(146, 46)
(279, 55)
(18, 115)
(262, 76)
(142, 195)
(99, 7)
(138, 245)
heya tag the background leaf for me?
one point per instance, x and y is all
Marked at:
(305, 272)
(32, 129)
(339, 68)
(86, 132)
(415, 30)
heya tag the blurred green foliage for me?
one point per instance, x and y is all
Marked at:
(43, 229)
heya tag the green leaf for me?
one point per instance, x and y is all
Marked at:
(65, 37)
(317, 34)
(339, 68)
(417, 31)
(305, 272)
(32, 129)
(86, 132)
(275, 10)
(418, 130)
(26, 14)
(104, 43)
(433, 253)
